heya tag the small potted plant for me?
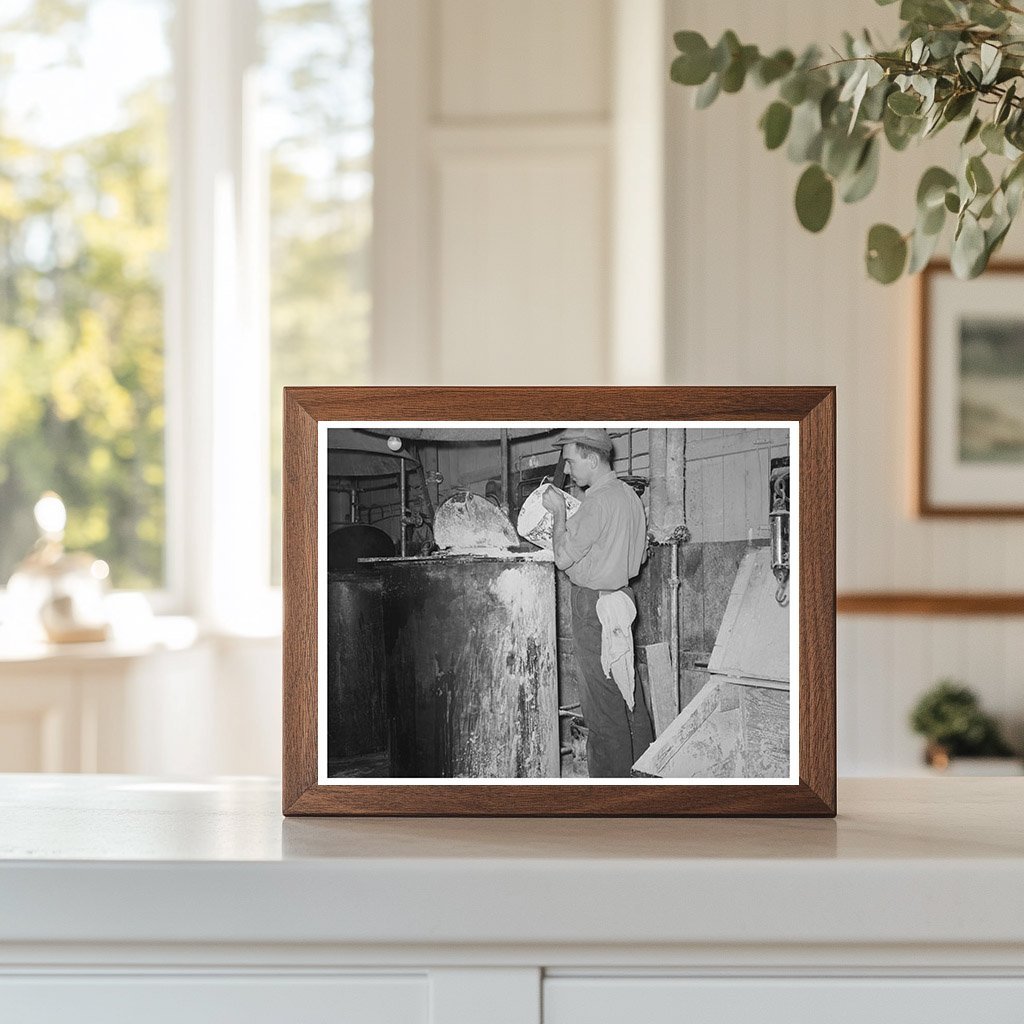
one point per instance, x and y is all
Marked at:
(950, 718)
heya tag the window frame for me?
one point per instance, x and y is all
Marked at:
(217, 439)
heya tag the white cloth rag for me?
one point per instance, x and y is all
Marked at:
(617, 612)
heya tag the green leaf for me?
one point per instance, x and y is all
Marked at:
(978, 176)
(794, 89)
(952, 202)
(924, 85)
(1003, 107)
(931, 191)
(687, 71)
(865, 173)
(972, 131)
(931, 12)
(814, 195)
(688, 42)
(775, 124)
(903, 103)
(900, 130)
(993, 138)
(735, 74)
(864, 76)
(805, 133)
(933, 123)
(943, 44)
(918, 51)
(991, 60)
(931, 221)
(725, 50)
(839, 151)
(970, 76)
(693, 65)
(968, 256)
(1013, 186)
(922, 247)
(995, 234)
(873, 106)
(887, 253)
(958, 105)
(707, 93)
(771, 69)
(987, 15)
(828, 104)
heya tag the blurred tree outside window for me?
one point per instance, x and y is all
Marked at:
(85, 114)
(85, 94)
(317, 124)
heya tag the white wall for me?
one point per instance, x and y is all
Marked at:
(506, 136)
(755, 299)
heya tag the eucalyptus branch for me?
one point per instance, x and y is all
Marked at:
(833, 117)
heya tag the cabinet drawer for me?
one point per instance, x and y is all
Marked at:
(612, 1000)
(202, 999)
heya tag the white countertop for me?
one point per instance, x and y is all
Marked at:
(123, 859)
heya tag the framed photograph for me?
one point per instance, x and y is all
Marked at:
(970, 445)
(559, 601)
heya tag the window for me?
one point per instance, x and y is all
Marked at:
(83, 237)
(185, 221)
(317, 117)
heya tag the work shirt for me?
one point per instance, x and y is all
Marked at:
(606, 538)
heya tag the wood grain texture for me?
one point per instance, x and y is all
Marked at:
(817, 589)
(925, 603)
(812, 407)
(299, 599)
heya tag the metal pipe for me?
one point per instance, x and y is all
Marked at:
(503, 454)
(673, 586)
(402, 546)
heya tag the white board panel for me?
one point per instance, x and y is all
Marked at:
(523, 257)
(531, 58)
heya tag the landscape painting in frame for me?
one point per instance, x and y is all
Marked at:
(971, 450)
(558, 603)
(992, 390)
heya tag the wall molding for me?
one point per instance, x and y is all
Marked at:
(928, 603)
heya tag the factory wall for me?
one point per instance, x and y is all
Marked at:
(713, 481)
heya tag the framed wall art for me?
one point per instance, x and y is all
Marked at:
(970, 443)
(559, 601)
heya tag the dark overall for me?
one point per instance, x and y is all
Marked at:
(616, 736)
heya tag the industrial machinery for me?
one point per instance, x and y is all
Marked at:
(737, 726)
(446, 660)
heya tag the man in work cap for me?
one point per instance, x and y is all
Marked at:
(601, 549)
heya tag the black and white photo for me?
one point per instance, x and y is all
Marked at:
(539, 602)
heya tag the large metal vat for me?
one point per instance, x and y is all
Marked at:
(355, 666)
(471, 667)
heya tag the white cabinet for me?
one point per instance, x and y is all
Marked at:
(101, 708)
(128, 898)
(199, 999)
(174, 705)
(824, 1000)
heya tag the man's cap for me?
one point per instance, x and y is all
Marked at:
(593, 437)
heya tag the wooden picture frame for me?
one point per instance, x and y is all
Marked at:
(963, 414)
(810, 414)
